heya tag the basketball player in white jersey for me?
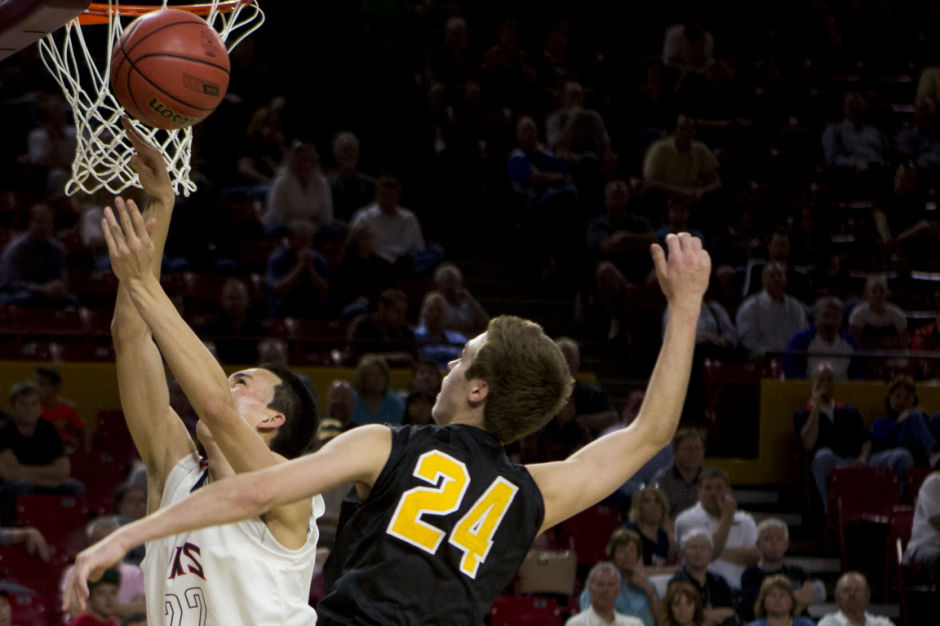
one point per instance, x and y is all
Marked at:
(257, 571)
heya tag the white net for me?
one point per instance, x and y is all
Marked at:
(102, 156)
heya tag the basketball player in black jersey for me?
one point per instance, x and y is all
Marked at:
(444, 519)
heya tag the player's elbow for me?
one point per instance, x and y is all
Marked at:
(217, 410)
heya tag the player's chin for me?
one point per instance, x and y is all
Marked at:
(439, 415)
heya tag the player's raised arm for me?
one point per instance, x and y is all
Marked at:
(596, 470)
(160, 436)
(355, 456)
(199, 374)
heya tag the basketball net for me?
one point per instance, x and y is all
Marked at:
(103, 152)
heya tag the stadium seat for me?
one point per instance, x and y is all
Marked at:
(60, 519)
(101, 472)
(859, 495)
(28, 610)
(589, 531)
(112, 436)
(525, 611)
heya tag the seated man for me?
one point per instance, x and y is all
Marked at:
(696, 550)
(102, 601)
(851, 146)
(680, 480)
(33, 269)
(678, 163)
(32, 459)
(852, 596)
(60, 412)
(773, 539)
(767, 320)
(603, 583)
(396, 231)
(834, 435)
(464, 313)
(827, 336)
(924, 546)
(733, 532)
(384, 332)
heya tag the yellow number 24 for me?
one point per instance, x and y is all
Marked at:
(473, 533)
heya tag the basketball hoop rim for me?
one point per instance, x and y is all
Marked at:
(100, 12)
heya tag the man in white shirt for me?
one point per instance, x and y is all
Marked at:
(924, 546)
(852, 595)
(767, 320)
(396, 232)
(734, 533)
(604, 585)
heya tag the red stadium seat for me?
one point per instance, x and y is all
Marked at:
(589, 531)
(525, 611)
(860, 494)
(28, 610)
(112, 436)
(101, 473)
(60, 519)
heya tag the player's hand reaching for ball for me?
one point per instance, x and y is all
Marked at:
(128, 238)
(683, 277)
(149, 165)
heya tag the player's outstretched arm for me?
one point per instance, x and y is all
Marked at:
(598, 469)
(199, 374)
(158, 434)
(355, 456)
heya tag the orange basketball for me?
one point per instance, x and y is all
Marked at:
(169, 69)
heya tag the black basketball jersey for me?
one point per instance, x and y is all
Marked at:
(446, 526)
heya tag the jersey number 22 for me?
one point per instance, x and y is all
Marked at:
(473, 533)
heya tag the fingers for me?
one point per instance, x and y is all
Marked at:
(659, 256)
(133, 135)
(113, 235)
(140, 228)
(126, 222)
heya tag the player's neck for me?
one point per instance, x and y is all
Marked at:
(469, 418)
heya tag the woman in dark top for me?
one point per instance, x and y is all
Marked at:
(649, 516)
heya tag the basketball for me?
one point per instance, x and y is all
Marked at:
(169, 69)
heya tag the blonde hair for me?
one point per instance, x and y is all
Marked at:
(636, 502)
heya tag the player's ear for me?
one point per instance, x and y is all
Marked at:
(477, 390)
(275, 420)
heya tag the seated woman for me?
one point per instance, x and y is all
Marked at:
(374, 402)
(905, 425)
(649, 517)
(776, 604)
(637, 596)
(683, 606)
(697, 550)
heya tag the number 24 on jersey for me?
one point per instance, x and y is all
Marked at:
(473, 533)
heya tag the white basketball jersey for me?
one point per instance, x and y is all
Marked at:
(227, 575)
